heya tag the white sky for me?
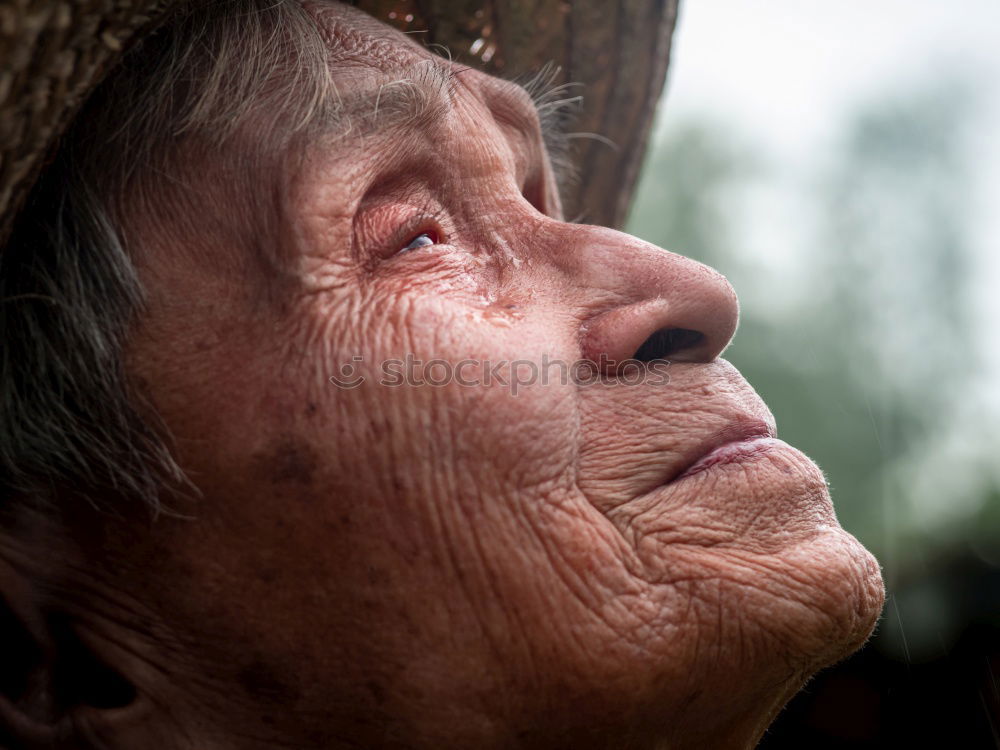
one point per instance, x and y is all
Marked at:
(787, 68)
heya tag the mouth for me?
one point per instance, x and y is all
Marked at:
(740, 441)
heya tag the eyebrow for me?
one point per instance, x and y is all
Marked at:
(413, 96)
(420, 95)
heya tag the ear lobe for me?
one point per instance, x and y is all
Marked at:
(48, 676)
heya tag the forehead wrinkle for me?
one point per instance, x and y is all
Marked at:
(352, 35)
(383, 79)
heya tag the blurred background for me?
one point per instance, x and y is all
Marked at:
(840, 163)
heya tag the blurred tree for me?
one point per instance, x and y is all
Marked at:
(689, 191)
(891, 283)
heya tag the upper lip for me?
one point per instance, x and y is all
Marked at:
(737, 431)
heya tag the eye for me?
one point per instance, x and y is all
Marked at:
(424, 239)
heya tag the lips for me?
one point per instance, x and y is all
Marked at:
(739, 440)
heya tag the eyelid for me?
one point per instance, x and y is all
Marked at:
(411, 230)
(382, 231)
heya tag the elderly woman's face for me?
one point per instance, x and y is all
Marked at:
(510, 551)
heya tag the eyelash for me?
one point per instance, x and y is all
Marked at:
(432, 236)
(424, 224)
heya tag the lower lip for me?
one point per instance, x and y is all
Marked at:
(744, 450)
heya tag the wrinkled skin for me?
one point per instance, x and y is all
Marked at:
(456, 566)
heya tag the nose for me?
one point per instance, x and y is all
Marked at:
(650, 303)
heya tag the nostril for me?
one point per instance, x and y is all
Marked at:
(668, 343)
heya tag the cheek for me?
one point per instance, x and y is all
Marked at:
(446, 378)
(636, 434)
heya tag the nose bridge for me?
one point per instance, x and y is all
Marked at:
(642, 301)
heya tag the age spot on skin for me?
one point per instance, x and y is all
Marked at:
(260, 680)
(288, 461)
(377, 692)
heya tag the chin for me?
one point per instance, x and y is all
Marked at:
(760, 587)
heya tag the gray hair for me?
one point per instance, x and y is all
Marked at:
(70, 419)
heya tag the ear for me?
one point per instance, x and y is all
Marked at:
(53, 688)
